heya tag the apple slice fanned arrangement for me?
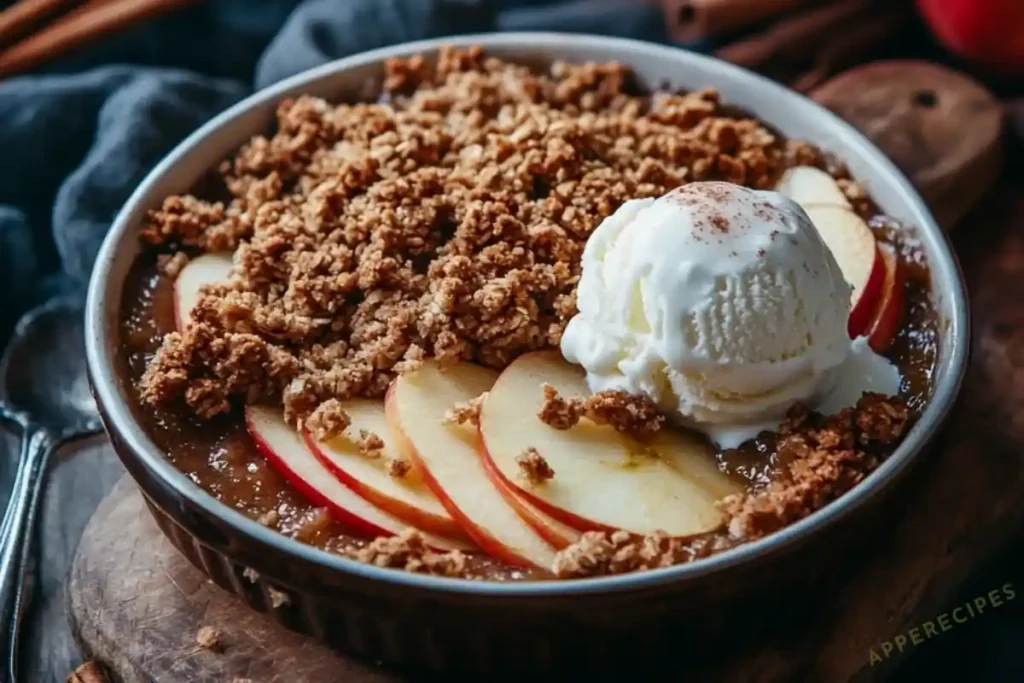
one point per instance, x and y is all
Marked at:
(872, 269)
(465, 489)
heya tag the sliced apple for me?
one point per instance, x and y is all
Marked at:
(855, 249)
(208, 269)
(807, 186)
(554, 531)
(409, 498)
(603, 480)
(886, 323)
(450, 460)
(286, 452)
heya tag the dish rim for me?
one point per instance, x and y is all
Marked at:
(101, 345)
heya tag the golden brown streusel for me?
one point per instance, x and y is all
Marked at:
(328, 420)
(370, 445)
(626, 413)
(466, 412)
(446, 220)
(534, 468)
(824, 457)
(171, 264)
(558, 412)
(398, 467)
(409, 551)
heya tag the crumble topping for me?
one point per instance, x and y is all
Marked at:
(534, 468)
(171, 264)
(626, 413)
(445, 220)
(466, 412)
(822, 457)
(370, 445)
(328, 420)
(409, 551)
(398, 467)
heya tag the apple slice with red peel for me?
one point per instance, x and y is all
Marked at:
(603, 480)
(886, 323)
(286, 452)
(808, 186)
(855, 249)
(409, 498)
(554, 531)
(208, 269)
(449, 458)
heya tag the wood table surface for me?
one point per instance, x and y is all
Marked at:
(963, 508)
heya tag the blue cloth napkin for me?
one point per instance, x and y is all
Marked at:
(78, 136)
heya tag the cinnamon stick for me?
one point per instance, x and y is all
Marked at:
(689, 20)
(94, 19)
(857, 44)
(23, 15)
(795, 39)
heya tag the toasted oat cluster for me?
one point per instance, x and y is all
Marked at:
(824, 458)
(626, 413)
(447, 220)
(409, 551)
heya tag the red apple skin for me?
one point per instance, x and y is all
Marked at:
(489, 544)
(570, 519)
(988, 32)
(354, 524)
(863, 310)
(889, 317)
(556, 538)
(421, 519)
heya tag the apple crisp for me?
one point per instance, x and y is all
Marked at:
(445, 220)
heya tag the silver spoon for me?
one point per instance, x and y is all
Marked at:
(44, 389)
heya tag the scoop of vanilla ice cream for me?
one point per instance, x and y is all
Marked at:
(720, 303)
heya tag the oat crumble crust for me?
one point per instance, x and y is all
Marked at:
(398, 467)
(626, 413)
(445, 220)
(370, 444)
(409, 551)
(534, 468)
(824, 457)
(467, 412)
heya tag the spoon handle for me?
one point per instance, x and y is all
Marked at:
(16, 535)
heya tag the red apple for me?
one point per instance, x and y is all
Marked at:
(552, 530)
(286, 452)
(408, 498)
(989, 32)
(854, 247)
(449, 457)
(886, 322)
(603, 479)
(208, 269)
(846, 235)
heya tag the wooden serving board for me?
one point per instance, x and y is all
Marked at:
(135, 604)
